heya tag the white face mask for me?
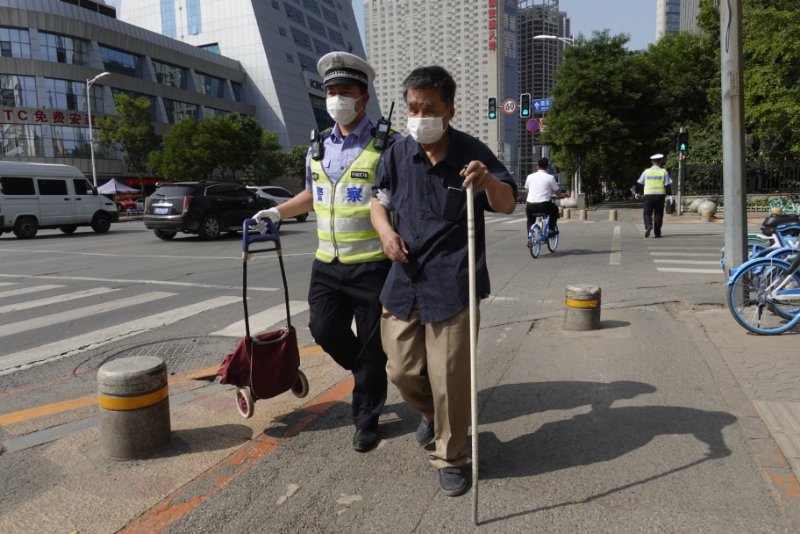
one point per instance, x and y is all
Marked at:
(426, 130)
(342, 109)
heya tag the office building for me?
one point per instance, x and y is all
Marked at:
(475, 40)
(544, 31)
(278, 42)
(50, 48)
(668, 17)
(689, 11)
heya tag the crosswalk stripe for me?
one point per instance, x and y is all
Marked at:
(27, 290)
(64, 348)
(263, 320)
(689, 262)
(688, 254)
(689, 271)
(615, 258)
(517, 221)
(49, 301)
(79, 313)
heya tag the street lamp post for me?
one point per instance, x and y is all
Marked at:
(566, 40)
(89, 83)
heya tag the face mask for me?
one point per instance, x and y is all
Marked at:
(426, 130)
(342, 109)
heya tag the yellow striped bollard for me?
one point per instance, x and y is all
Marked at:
(582, 308)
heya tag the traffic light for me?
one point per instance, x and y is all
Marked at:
(525, 105)
(492, 107)
(683, 141)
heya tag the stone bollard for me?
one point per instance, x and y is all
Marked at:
(707, 210)
(612, 215)
(567, 213)
(134, 407)
(560, 212)
(582, 308)
(582, 215)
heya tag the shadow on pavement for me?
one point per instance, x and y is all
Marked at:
(601, 435)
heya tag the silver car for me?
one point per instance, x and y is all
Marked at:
(276, 193)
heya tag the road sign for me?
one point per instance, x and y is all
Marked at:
(541, 104)
(532, 125)
(509, 106)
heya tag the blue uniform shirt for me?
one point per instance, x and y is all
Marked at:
(435, 231)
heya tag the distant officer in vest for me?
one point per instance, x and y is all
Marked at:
(655, 182)
(350, 266)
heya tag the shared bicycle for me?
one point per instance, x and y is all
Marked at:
(539, 235)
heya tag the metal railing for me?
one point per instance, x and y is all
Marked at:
(767, 178)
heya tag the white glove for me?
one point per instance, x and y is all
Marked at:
(671, 198)
(261, 217)
(637, 196)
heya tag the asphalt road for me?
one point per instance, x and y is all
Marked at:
(630, 428)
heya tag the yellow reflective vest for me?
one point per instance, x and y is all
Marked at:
(654, 179)
(344, 229)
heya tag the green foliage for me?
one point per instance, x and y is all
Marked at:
(132, 130)
(294, 161)
(270, 158)
(195, 150)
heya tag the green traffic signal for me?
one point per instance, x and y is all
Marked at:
(525, 105)
(492, 108)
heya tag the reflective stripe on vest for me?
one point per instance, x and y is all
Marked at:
(344, 229)
(654, 182)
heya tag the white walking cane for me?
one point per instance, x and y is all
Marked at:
(473, 337)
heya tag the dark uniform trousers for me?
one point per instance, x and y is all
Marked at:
(548, 207)
(654, 212)
(337, 293)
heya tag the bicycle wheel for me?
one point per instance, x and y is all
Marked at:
(536, 240)
(552, 241)
(751, 304)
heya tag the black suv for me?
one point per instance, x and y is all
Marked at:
(205, 208)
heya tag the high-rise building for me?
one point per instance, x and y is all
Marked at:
(668, 17)
(544, 31)
(278, 42)
(689, 10)
(475, 40)
(50, 48)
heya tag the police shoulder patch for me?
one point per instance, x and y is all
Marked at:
(315, 176)
(363, 175)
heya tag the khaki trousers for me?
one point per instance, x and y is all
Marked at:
(429, 364)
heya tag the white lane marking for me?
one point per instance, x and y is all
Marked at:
(685, 249)
(80, 313)
(138, 256)
(6, 283)
(718, 272)
(263, 320)
(689, 262)
(55, 300)
(615, 258)
(64, 348)
(131, 281)
(688, 254)
(517, 221)
(27, 290)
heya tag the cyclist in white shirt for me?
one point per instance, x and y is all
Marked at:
(542, 186)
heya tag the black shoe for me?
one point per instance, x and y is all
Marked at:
(647, 232)
(658, 235)
(365, 439)
(452, 481)
(424, 431)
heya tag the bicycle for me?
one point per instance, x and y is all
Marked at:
(763, 295)
(785, 205)
(539, 234)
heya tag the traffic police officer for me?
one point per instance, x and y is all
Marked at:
(655, 182)
(350, 267)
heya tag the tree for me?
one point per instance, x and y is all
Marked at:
(131, 129)
(195, 150)
(270, 162)
(294, 161)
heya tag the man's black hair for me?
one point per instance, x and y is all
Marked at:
(433, 77)
(543, 163)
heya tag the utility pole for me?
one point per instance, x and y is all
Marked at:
(733, 170)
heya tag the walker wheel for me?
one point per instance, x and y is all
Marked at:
(244, 402)
(300, 388)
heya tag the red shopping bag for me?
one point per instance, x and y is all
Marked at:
(268, 363)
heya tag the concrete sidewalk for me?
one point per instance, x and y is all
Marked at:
(667, 418)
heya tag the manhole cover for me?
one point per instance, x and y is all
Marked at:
(181, 355)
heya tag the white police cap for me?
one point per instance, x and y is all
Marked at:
(657, 156)
(344, 68)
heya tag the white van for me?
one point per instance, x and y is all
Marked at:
(43, 195)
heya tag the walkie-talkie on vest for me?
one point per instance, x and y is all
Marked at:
(382, 131)
(316, 145)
